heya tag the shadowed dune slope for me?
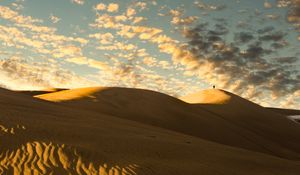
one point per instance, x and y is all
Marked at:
(40, 92)
(38, 137)
(268, 124)
(221, 117)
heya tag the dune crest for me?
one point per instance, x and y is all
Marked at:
(209, 96)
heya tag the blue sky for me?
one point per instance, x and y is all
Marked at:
(177, 47)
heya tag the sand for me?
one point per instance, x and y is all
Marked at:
(118, 131)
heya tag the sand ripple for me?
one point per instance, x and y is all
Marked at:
(35, 158)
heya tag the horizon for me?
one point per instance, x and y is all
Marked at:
(174, 47)
(189, 98)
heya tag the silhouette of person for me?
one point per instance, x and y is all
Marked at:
(214, 87)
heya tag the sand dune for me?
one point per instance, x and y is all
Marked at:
(154, 109)
(238, 122)
(113, 131)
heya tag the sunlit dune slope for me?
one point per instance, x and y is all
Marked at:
(209, 96)
(223, 118)
(38, 137)
(73, 94)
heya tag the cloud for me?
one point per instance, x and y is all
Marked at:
(274, 36)
(178, 17)
(243, 37)
(184, 21)
(100, 7)
(150, 61)
(265, 29)
(131, 12)
(113, 7)
(30, 35)
(18, 74)
(203, 6)
(92, 63)
(273, 16)
(98, 65)
(286, 60)
(78, 60)
(79, 2)
(117, 47)
(54, 19)
(14, 16)
(140, 5)
(293, 15)
(17, 5)
(105, 38)
(67, 51)
(267, 5)
(283, 3)
(137, 20)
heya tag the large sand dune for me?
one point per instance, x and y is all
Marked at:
(118, 131)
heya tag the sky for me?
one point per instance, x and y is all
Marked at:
(250, 48)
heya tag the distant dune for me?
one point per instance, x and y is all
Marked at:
(123, 131)
(286, 111)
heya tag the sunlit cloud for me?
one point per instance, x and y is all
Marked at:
(100, 6)
(205, 6)
(79, 2)
(8, 14)
(54, 19)
(268, 5)
(113, 7)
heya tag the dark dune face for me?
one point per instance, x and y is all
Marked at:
(40, 92)
(132, 131)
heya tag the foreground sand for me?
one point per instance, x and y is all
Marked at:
(118, 131)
